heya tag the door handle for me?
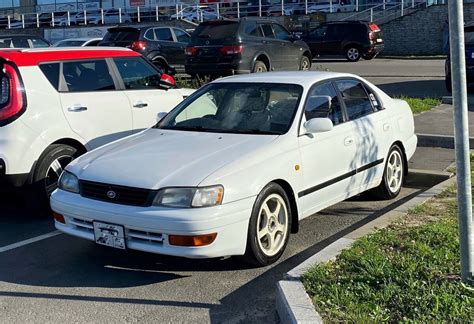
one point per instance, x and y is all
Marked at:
(77, 108)
(348, 141)
(386, 127)
(140, 105)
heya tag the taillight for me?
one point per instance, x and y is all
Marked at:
(191, 51)
(232, 49)
(374, 27)
(371, 36)
(12, 97)
(138, 45)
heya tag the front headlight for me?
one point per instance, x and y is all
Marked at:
(68, 182)
(189, 197)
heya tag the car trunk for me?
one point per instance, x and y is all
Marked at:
(120, 36)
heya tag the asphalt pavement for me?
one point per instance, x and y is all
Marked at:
(66, 279)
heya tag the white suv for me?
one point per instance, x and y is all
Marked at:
(56, 104)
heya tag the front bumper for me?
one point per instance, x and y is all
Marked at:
(147, 228)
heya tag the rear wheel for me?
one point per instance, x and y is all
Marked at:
(269, 226)
(447, 81)
(305, 64)
(393, 175)
(259, 67)
(352, 53)
(49, 168)
(161, 66)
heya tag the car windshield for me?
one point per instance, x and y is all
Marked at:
(241, 108)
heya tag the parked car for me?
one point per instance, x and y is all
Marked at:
(61, 19)
(352, 39)
(24, 41)
(57, 104)
(469, 52)
(164, 46)
(290, 7)
(235, 167)
(251, 7)
(111, 16)
(332, 6)
(225, 47)
(196, 14)
(74, 42)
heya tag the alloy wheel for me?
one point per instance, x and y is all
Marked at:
(394, 174)
(54, 172)
(272, 224)
(353, 53)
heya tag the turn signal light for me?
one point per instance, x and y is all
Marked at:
(59, 218)
(196, 240)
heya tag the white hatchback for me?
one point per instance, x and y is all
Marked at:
(58, 103)
(235, 167)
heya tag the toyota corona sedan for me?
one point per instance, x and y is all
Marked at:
(235, 167)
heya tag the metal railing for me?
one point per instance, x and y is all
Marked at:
(376, 10)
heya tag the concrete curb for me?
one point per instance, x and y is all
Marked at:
(443, 141)
(293, 303)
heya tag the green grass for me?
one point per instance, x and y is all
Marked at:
(407, 272)
(419, 105)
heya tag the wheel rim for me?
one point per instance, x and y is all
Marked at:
(394, 172)
(260, 69)
(54, 172)
(353, 53)
(272, 225)
(305, 65)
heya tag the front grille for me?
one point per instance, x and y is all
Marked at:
(121, 194)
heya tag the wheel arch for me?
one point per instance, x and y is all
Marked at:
(262, 56)
(293, 205)
(156, 56)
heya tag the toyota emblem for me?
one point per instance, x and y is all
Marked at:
(111, 194)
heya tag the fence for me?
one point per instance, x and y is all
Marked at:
(363, 10)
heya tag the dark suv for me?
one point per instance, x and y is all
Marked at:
(225, 47)
(469, 52)
(353, 39)
(164, 46)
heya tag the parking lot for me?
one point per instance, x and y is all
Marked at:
(47, 276)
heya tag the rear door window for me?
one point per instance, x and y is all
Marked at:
(358, 103)
(181, 35)
(268, 31)
(51, 72)
(89, 75)
(163, 34)
(137, 74)
(38, 43)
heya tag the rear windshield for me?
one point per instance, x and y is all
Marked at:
(215, 32)
(122, 35)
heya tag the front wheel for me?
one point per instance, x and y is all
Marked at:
(393, 175)
(269, 226)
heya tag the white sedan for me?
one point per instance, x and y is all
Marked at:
(235, 167)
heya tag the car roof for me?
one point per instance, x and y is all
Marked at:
(303, 78)
(81, 39)
(31, 57)
(19, 36)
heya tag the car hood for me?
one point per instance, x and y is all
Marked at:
(157, 158)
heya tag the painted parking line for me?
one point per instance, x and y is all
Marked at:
(28, 241)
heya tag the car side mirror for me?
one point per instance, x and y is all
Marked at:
(160, 116)
(167, 81)
(318, 125)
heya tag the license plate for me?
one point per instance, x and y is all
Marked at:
(472, 55)
(109, 235)
(379, 40)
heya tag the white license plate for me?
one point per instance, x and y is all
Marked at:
(109, 235)
(472, 55)
(379, 40)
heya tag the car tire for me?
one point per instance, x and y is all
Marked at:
(49, 167)
(352, 53)
(393, 175)
(305, 63)
(448, 83)
(269, 226)
(259, 67)
(161, 66)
